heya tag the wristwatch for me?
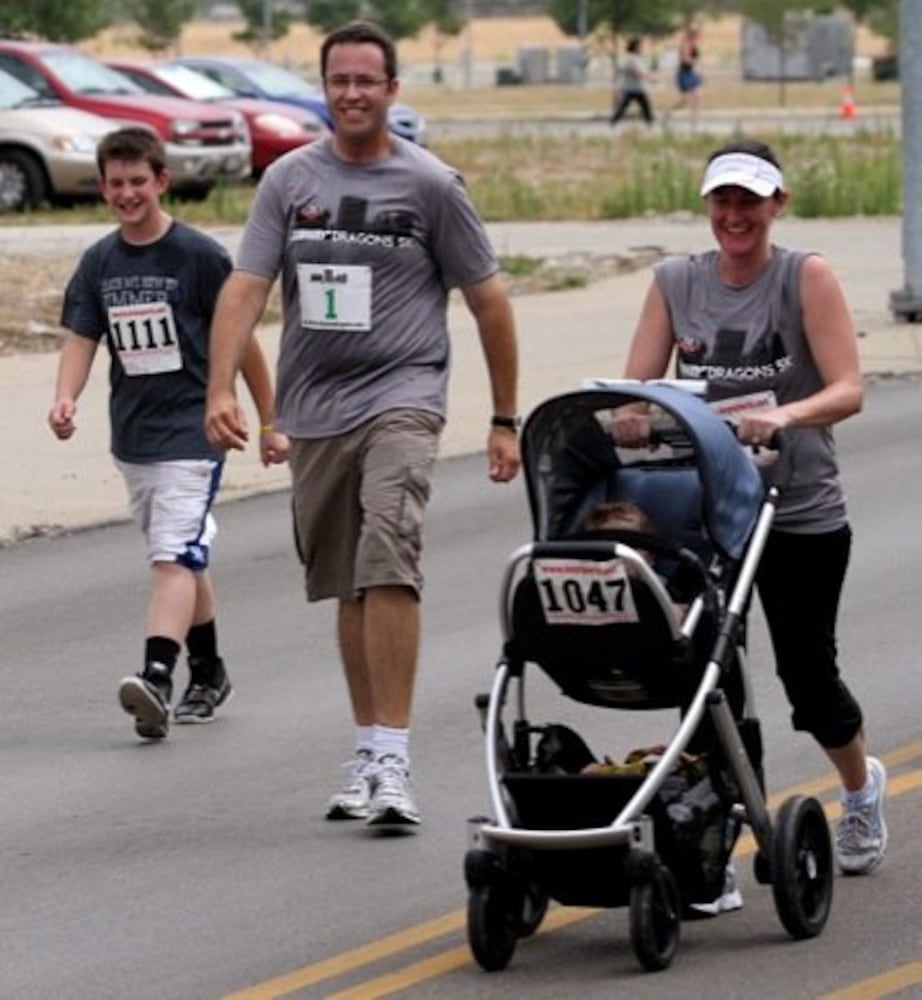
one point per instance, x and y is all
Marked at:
(511, 423)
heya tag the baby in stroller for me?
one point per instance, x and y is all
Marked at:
(632, 595)
(620, 516)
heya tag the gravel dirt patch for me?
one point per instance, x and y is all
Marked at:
(32, 290)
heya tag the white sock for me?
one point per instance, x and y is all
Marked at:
(393, 742)
(863, 795)
(365, 739)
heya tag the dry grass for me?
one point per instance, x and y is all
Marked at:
(496, 41)
(31, 290)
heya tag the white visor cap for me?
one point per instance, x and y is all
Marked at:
(742, 170)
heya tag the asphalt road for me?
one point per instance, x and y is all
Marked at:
(201, 868)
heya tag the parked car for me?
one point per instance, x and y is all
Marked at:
(274, 128)
(47, 150)
(203, 142)
(257, 78)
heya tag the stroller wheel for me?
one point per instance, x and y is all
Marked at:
(534, 907)
(802, 866)
(655, 920)
(493, 926)
(762, 869)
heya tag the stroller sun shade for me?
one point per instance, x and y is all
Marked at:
(568, 452)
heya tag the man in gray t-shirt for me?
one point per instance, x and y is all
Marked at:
(369, 234)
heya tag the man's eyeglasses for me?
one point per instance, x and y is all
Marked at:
(361, 83)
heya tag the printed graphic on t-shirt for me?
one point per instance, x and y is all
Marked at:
(729, 361)
(390, 228)
(144, 338)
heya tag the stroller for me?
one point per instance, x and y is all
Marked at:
(623, 620)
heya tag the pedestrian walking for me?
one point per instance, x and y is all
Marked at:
(769, 328)
(369, 233)
(688, 76)
(633, 75)
(148, 289)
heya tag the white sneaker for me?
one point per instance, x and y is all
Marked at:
(392, 802)
(730, 899)
(354, 799)
(861, 835)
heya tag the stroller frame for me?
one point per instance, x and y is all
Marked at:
(506, 901)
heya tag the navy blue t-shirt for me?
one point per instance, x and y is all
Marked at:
(153, 304)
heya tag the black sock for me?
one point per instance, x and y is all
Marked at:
(159, 649)
(202, 642)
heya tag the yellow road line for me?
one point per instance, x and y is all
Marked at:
(355, 958)
(885, 985)
(447, 961)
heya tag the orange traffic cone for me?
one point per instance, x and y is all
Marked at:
(848, 109)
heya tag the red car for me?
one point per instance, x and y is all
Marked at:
(274, 128)
(203, 142)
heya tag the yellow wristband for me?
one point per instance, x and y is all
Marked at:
(267, 428)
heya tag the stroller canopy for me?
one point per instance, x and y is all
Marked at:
(564, 446)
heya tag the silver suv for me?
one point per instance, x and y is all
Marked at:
(47, 151)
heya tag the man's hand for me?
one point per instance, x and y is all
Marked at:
(225, 422)
(273, 446)
(503, 453)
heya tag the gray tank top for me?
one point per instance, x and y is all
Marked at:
(750, 339)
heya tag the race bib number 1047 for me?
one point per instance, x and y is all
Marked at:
(584, 592)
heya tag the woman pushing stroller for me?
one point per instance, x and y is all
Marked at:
(769, 328)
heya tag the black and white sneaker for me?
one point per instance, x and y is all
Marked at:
(200, 700)
(146, 696)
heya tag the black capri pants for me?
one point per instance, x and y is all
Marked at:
(799, 581)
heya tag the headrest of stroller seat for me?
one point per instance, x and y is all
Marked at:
(670, 496)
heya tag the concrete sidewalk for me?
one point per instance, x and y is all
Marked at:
(564, 337)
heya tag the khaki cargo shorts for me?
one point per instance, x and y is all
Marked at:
(358, 503)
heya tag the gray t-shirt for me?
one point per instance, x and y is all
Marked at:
(368, 254)
(153, 304)
(744, 340)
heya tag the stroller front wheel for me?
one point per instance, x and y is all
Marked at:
(492, 926)
(802, 867)
(655, 919)
(534, 908)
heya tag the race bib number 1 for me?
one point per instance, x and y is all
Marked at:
(584, 592)
(335, 297)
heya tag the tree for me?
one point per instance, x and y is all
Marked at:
(446, 24)
(779, 20)
(262, 23)
(399, 18)
(56, 20)
(610, 21)
(881, 16)
(161, 21)
(617, 17)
